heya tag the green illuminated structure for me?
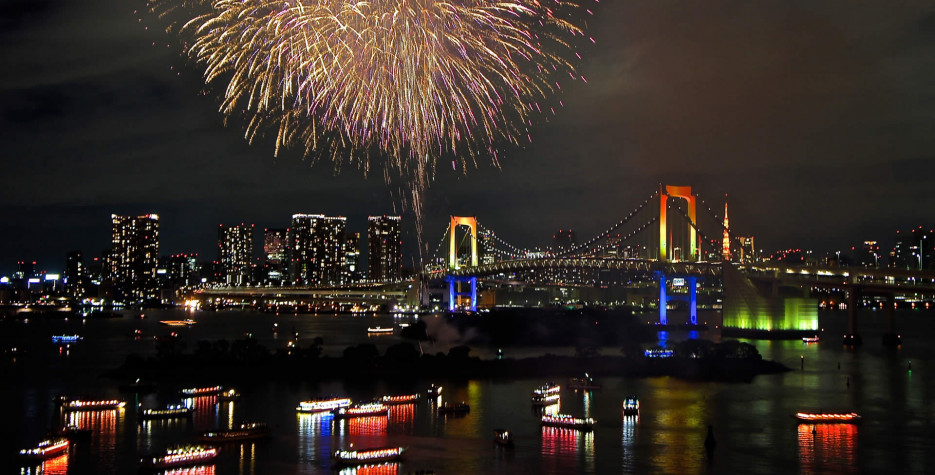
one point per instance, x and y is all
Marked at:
(748, 312)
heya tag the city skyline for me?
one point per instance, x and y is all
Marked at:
(814, 118)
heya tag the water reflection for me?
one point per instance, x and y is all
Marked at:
(402, 417)
(53, 466)
(199, 470)
(630, 426)
(378, 469)
(563, 447)
(828, 447)
(315, 437)
(206, 411)
(247, 459)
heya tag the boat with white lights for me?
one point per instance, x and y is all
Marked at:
(246, 431)
(46, 449)
(503, 437)
(229, 395)
(322, 405)
(434, 391)
(566, 421)
(810, 339)
(584, 382)
(175, 411)
(546, 395)
(379, 330)
(367, 456)
(457, 408)
(828, 417)
(76, 404)
(631, 406)
(180, 457)
(205, 391)
(370, 409)
(401, 399)
(178, 323)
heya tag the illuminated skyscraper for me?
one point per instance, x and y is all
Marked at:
(133, 257)
(352, 256)
(747, 249)
(275, 247)
(74, 274)
(235, 253)
(317, 246)
(384, 249)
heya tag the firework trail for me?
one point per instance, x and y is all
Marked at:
(403, 80)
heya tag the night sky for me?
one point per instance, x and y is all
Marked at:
(817, 117)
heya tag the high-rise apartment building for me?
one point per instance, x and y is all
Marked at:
(352, 256)
(384, 249)
(747, 249)
(74, 274)
(914, 250)
(235, 253)
(275, 250)
(133, 257)
(317, 247)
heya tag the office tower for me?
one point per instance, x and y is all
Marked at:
(384, 249)
(317, 246)
(74, 274)
(181, 270)
(235, 253)
(133, 257)
(869, 255)
(275, 247)
(747, 250)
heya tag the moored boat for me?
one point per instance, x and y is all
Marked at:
(458, 408)
(401, 399)
(69, 404)
(631, 406)
(46, 449)
(828, 417)
(169, 412)
(503, 437)
(180, 457)
(229, 395)
(370, 409)
(205, 391)
(322, 405)
(584, 382)
(367, 456)
(566, 421)
(546, 395)
(246, 431)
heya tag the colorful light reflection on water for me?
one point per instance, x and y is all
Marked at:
(828, 447)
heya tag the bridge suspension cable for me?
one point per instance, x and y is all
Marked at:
(607, 233)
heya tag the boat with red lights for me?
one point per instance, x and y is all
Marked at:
(205, 391)
(174, 411)
(322, 405)
(367, 456)
(458, 408)
(246, 431)
(76, 404)
(546, 395)
(46, 449)
(180, 457)
(178, 323)
(566, 421)
(401, 399)
(370, 409)
(828, 417)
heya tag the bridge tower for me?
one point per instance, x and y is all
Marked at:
(456, 296)
(684, 192)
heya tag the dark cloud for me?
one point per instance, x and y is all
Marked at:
(815, 117)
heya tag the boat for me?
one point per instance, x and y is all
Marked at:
(503, 437)
(322, 405)
(402, 399)
(205, 391)
(69, 404)
(369, 409)
(810, 339)
(246, 431)
(136, 334)
(46, 449)
(828, 417)
(434, 391)
(566, 421)
(66, 339)
(178, 323)
(180, 457)
(72, 432)
(170, 412)
(368, 456)
(229, 395)
(585, 382)
(459, 408)
(631, 406)
(380, 330)
(546, 395)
